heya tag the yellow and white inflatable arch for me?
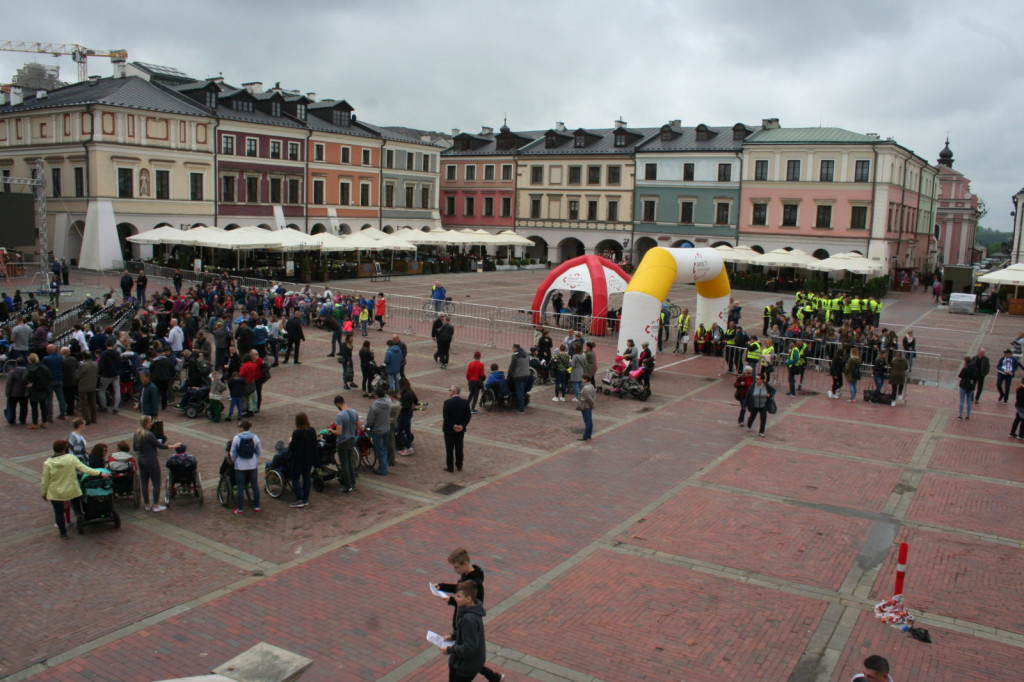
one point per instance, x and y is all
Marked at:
(657, 272)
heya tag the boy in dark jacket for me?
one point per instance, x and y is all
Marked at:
(468, 651)
(236, 387)
(468, 572)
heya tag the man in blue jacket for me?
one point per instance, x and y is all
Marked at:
(393, 364)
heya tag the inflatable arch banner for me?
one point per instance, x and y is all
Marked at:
(594, 275)
(657, 272)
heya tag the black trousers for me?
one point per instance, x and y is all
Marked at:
(453, 445)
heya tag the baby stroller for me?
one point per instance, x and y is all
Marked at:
(277, 473)
(226, 486)
(616, 376)
(327, 468)
(97, 502)
(124, 474)
(195, 401)
(183, 478)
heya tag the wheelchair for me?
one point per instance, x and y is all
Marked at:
(491, 398)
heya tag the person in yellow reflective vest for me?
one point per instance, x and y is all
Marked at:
(683, 330)
(795, 362)
(767, 359)
(769, 315)
(731, 357)
(753, 352)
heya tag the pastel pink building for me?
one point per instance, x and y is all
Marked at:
(829, 191)
(957, 214)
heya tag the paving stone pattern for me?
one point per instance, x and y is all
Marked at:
(673, 545)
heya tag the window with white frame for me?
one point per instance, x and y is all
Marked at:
(506, 171)
(227, 145)
(366, 157)
(489, 172)
(470, 173)
(346, 155)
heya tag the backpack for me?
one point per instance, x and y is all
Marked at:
(246, 447)
(265, 369)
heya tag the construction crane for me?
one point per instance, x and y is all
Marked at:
(79, 54)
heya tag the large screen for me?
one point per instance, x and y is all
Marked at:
(17, 221)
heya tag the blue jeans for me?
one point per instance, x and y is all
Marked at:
(235, 402)
(403, 431)
(335, 341)
(302, 478)
(250, 477)
(966, 395)
(576, 387)
(879, 382)
(853, 389)
(588, 422)
(393, 381)
(521, 392)
(380, 448)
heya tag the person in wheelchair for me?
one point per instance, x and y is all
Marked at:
(497, 382)
(539, 365)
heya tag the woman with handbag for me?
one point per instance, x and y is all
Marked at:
(760, 401)
(742, 385)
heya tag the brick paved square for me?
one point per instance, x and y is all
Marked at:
(916, 414)
(982, 424)
(971, 505)
(87, 588)
(861, 440)
(1004, 461)
(953, 657)
(680, 624)
(803, 476)
(794, 543)
(958, 577)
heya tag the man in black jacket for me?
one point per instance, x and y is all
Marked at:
(443, 337)
(456, 416)
(293, 328)
(161, 371)
(468, 651)
(981, 370)
(110, 375)
(244, 338)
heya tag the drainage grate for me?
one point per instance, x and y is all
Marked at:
(448, 489)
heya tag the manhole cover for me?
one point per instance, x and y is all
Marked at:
(448, 489)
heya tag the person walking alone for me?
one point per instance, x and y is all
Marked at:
(760, 398)
(588, 394)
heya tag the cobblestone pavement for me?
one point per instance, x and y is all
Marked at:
(671, 546)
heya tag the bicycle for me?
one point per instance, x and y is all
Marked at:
(432, 308)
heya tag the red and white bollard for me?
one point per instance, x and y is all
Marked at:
(901, 571)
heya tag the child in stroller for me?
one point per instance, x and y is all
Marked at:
(616, 376)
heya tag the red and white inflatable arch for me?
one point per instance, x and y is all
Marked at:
(594, 275)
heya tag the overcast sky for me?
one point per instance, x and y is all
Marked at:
(913, 70)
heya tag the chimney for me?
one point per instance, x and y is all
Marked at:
(40, 94)
(16, 97)
(770, 123)
(254, 88)
(455, 131)
(425, 137)
(676, 123)
(311, 96)
(486, 131)
(118, 68)
(560, 126)
(620, 124)
(873, 136)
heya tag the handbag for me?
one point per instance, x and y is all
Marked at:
(770, 406)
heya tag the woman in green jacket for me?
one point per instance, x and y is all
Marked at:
(60, 482)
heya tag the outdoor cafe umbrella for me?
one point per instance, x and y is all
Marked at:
(1013, 276)
(737, 254)
(781, 258)
(166, 234)
(851, 262)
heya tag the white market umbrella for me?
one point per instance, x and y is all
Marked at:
(850, 262)
(781, 258)
(293, 240)
(332, 243)
(170, 236)
(510, 238)
(1013, 276)
(737, 254)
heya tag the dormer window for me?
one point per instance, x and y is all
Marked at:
(551, 141)
(211, 99)
(739, 132)
(620, 139)
(300, 112)
(703, 135)
(666, 134)
(579, 141)
(241, 105)
(275, 109)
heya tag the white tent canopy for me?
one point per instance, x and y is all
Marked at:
(851, 262)
(1013, 275)
(781, 258)
(737, 254)
(165, 235)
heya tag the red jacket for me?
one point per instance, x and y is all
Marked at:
(475, 371)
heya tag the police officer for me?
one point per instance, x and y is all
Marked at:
(753, 353)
